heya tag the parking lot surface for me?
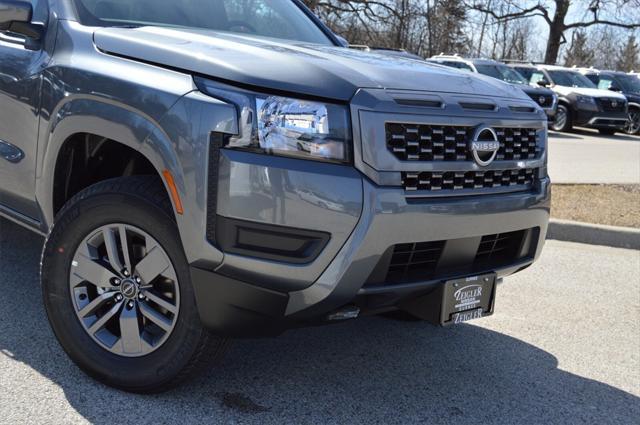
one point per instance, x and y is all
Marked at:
(563, 347)
(585, 156)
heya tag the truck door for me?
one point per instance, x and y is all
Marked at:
(21, 66)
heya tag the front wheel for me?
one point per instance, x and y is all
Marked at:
(562, 121)
(117, 288)
(633, 125)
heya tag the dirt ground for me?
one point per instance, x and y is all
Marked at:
(614, 205)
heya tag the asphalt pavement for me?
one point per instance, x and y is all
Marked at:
(563, 347)
(585, 156)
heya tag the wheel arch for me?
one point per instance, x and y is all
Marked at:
(113, 123)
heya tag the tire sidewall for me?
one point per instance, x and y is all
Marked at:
(76, 223)
(567, 124)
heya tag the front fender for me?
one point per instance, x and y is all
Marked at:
(179, 143)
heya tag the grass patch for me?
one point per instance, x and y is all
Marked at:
(614, 205)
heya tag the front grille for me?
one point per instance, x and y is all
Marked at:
(450, 180)
(611, 105)
(417, 142)
(422, 261)
(414, 261)
(545, 101)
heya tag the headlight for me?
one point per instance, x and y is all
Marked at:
(286, 126)
(300, 128)
(585, 99)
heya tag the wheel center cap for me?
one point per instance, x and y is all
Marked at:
(129, 289)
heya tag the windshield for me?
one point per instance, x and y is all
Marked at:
(502, 72)
(267, 18)
(629, 83)
(570, 79)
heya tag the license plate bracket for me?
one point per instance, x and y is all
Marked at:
(467, 298)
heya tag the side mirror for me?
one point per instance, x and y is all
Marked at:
(615, 88)
(14, 11)
(543, 83)
(15, 17)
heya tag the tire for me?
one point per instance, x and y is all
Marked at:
(165, 355)
(562, 121)
(633, 125)
(607, 131)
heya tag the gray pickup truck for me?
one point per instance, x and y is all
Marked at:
(205, 170)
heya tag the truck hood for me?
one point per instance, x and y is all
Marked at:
(308, 69)
(564, 90)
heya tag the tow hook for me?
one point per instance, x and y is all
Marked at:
(344, 313)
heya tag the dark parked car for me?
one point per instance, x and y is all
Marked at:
(212, 169)
(628, 85)
(581, 103)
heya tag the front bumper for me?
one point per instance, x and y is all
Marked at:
(367, 210)
(253, 303)
(600, 119)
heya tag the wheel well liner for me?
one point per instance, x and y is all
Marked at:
(85, 159)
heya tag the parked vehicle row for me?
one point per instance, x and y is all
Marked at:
(580, 102)
(604, 100)
(541, 95)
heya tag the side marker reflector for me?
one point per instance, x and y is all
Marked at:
(177, 203)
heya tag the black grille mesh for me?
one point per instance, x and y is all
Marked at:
(414, 261)
(607, 105)
(414, 142)
(498, 249)
(451, 180)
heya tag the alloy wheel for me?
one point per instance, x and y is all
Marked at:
(124, 290)
(633, 125)
(560, 120)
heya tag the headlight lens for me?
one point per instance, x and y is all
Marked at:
(586, 99)
(300, 128)
(286, 126)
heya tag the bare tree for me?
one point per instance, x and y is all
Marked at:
(555, 14)
(629, 55)
(579, 53)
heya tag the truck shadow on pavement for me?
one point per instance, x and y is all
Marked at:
(372, 370)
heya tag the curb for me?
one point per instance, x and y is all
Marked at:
(594, 234)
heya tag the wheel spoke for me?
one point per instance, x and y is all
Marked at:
(155, 317)
(111, 244)
(130, 331)
(125, 247)
(161, 302)
(125, 322)
(101, 322)
(152, 266)
(91, 308)
(88, 270)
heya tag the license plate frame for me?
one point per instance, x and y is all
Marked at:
(467, 298)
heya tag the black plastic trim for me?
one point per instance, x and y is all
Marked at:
(268, 241)
(236, 309)
(216, 143)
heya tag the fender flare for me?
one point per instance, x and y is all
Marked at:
(101, 117)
